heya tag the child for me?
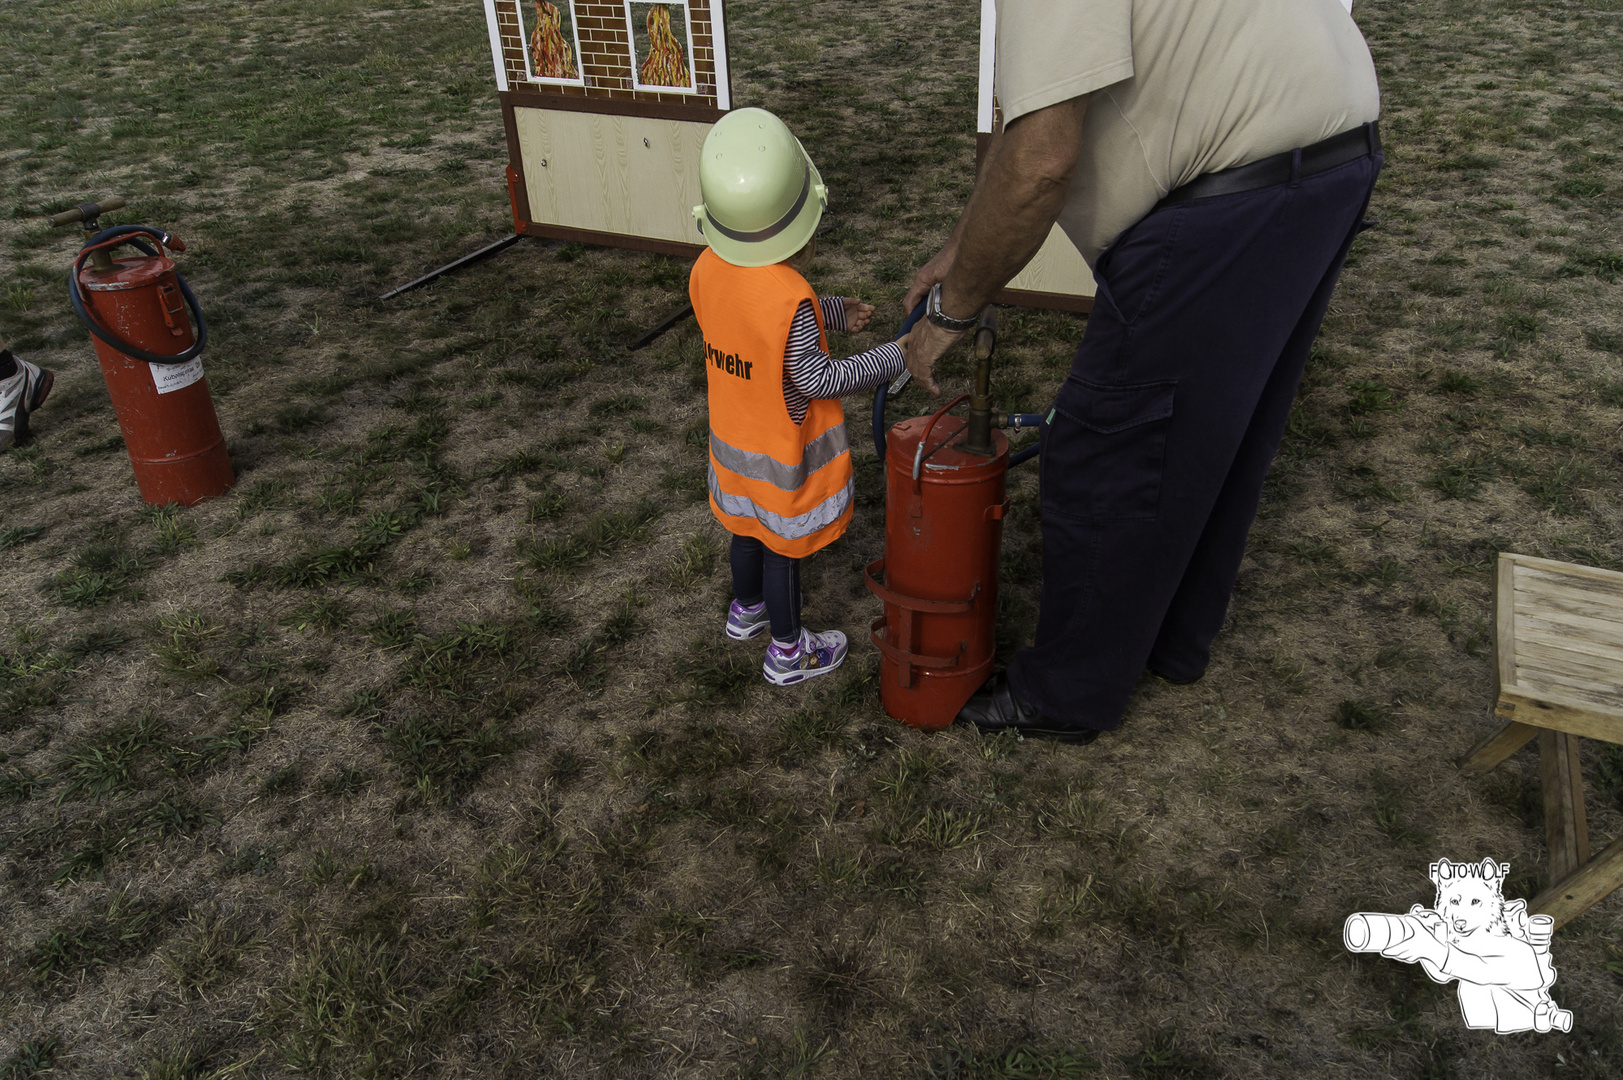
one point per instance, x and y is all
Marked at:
(780, 466)
(23, 388)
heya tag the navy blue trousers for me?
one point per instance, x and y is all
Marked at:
(759, 573)
(1159, 441)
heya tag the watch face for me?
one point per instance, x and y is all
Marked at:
(934, 313)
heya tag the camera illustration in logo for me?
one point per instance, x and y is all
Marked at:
(1499, 953)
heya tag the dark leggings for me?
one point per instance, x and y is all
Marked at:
(761, 573)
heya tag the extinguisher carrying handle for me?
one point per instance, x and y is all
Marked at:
(919, 455)
(131, 234)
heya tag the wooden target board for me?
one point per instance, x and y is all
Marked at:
(606, 107)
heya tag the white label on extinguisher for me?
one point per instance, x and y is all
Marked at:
(171, 377)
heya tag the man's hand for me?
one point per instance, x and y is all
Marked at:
(922, 347)
(857, 314)
(931, 272)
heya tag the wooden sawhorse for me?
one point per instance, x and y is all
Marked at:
(1559, 678)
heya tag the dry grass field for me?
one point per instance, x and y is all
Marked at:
(421, 753)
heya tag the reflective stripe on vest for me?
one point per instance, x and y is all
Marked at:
(819, 452)
(818, 517)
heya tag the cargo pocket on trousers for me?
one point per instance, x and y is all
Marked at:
(1104, 450)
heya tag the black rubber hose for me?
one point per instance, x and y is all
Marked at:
(130, 232)
(883, 390)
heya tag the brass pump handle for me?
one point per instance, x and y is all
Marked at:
(87, 211)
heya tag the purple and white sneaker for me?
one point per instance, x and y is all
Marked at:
(744, 623)
(812, 655)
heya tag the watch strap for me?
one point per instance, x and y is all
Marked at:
(933, 312)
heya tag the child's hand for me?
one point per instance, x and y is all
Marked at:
(857, 314)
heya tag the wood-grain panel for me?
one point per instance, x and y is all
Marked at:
(631, 175)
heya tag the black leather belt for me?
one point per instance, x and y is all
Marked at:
(1326, 154)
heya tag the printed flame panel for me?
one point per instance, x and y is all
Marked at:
(609, 48)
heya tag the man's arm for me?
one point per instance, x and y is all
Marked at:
(1018, 196)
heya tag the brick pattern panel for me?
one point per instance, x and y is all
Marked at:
(605, 57)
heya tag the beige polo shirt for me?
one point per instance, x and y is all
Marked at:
(1180, 88)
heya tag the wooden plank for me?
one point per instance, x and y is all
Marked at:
(1575, 592)
(1603, 692)
(1537, 567)
(530, 96)
(635, 243)
(515, 162)
(1504, 610)
(1572, 718)
(1600, 651)
(1575, 686)
(1079, 305)
(1557, 656)
(1564, 826)
(1607, 625)
(1599, 582)
(1602, 629)
(1577, 601)
(1584, 888)
(1571, 696)
(1570, 593)
(1597, 630)
(1542, 661)
(1497, 747)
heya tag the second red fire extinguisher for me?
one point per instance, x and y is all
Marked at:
(140, 313)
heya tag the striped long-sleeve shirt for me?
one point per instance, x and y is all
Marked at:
(810, 374)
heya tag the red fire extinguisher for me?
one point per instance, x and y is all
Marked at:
(944, 507)
(140, 313)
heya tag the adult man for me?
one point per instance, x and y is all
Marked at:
(1212, 162)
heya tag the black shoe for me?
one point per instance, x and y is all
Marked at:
(996, 707)
(1175, 680)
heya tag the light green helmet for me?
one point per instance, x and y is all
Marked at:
(763, 197)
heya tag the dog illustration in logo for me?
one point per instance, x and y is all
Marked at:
(1499, 953)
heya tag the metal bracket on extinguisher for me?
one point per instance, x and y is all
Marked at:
(901, 650)
(173, 307)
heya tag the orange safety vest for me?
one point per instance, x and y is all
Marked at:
(788, 485)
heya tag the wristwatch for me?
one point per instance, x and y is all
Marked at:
(933, 312)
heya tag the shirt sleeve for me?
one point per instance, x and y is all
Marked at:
(833, 311)
(1048, 52)
(811, 374)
